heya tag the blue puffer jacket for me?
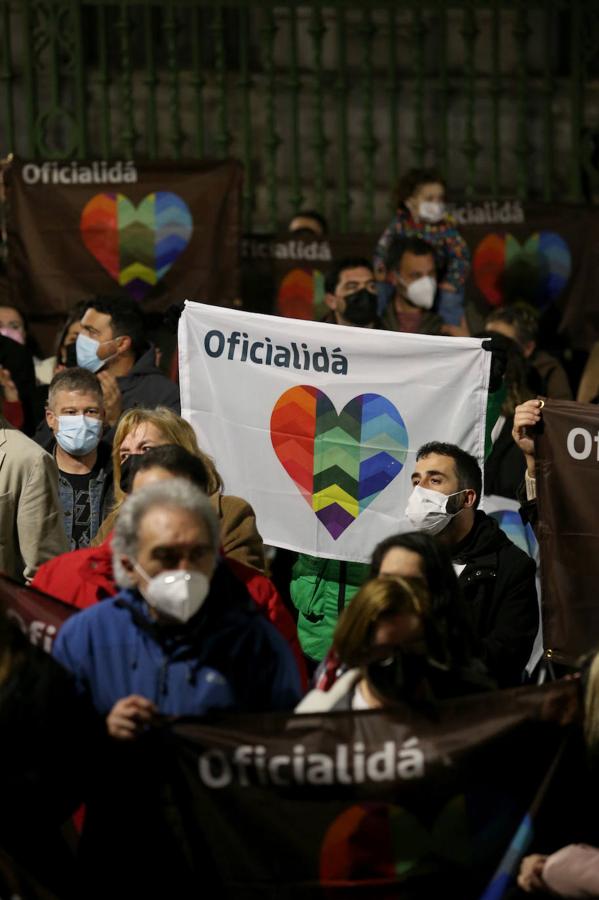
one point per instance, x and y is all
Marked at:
(227, 657)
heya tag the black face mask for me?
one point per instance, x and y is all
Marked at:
(397, 675)
(361, 307)
(128, 472)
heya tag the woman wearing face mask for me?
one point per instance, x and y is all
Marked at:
(421, 213)
(393, 649)
(386, 614)
(422, 560)
(140, 429)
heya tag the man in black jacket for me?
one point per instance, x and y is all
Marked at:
(112, 343)
(496, 577)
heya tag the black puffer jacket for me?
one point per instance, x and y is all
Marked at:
(498, 585)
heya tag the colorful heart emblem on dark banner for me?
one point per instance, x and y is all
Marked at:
(137, 245)
(540, 267)
(340, 462)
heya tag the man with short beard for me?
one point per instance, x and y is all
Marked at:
(496, 578)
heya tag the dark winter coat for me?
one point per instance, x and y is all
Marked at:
(498, 585)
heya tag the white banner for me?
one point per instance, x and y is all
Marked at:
(318, 425)
(507, 514)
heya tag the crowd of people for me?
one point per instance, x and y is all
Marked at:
(110, 505)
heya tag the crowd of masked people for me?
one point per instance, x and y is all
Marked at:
(110, 505)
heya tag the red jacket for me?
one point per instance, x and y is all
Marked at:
(83, 577)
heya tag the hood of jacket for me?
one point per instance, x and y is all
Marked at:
(145, 365)
(484, 539)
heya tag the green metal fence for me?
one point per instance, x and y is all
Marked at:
(325, 103)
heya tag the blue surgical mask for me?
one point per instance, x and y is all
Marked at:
(87, 353)
(78, 435)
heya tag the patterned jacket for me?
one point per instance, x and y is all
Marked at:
(452, 256)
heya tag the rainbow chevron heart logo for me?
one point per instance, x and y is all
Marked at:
(536, 270)
(137, 245)
(340, 462)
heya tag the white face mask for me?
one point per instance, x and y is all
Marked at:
(178, 594)
(431, 211)
(427, 510)
(422, 292)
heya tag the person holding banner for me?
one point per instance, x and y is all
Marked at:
(182, 637)
(497, 579)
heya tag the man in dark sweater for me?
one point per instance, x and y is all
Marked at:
(113, 345)
(496, 577)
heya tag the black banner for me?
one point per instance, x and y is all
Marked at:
(376, 804)
(158, 232)
(567, 451)
(38, 615)
(542, 254)
(381, 804)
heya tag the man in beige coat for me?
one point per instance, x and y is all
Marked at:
(31, 529)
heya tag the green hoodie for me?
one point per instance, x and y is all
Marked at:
(320, 589)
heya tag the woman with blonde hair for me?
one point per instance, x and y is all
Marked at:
(140, 429)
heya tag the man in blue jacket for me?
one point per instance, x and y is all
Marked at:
(183, 636)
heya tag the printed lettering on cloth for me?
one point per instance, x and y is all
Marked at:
(153, 231)
(317, 425)
(567, 490)
(544, 254)
(38, 615)
(313, 805)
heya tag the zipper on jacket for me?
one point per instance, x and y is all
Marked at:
(342, 579)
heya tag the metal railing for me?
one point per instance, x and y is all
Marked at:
(325, 103)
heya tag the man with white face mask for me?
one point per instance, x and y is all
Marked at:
(182, 637)
(496, 577)
(412, 272)
(75, 416)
